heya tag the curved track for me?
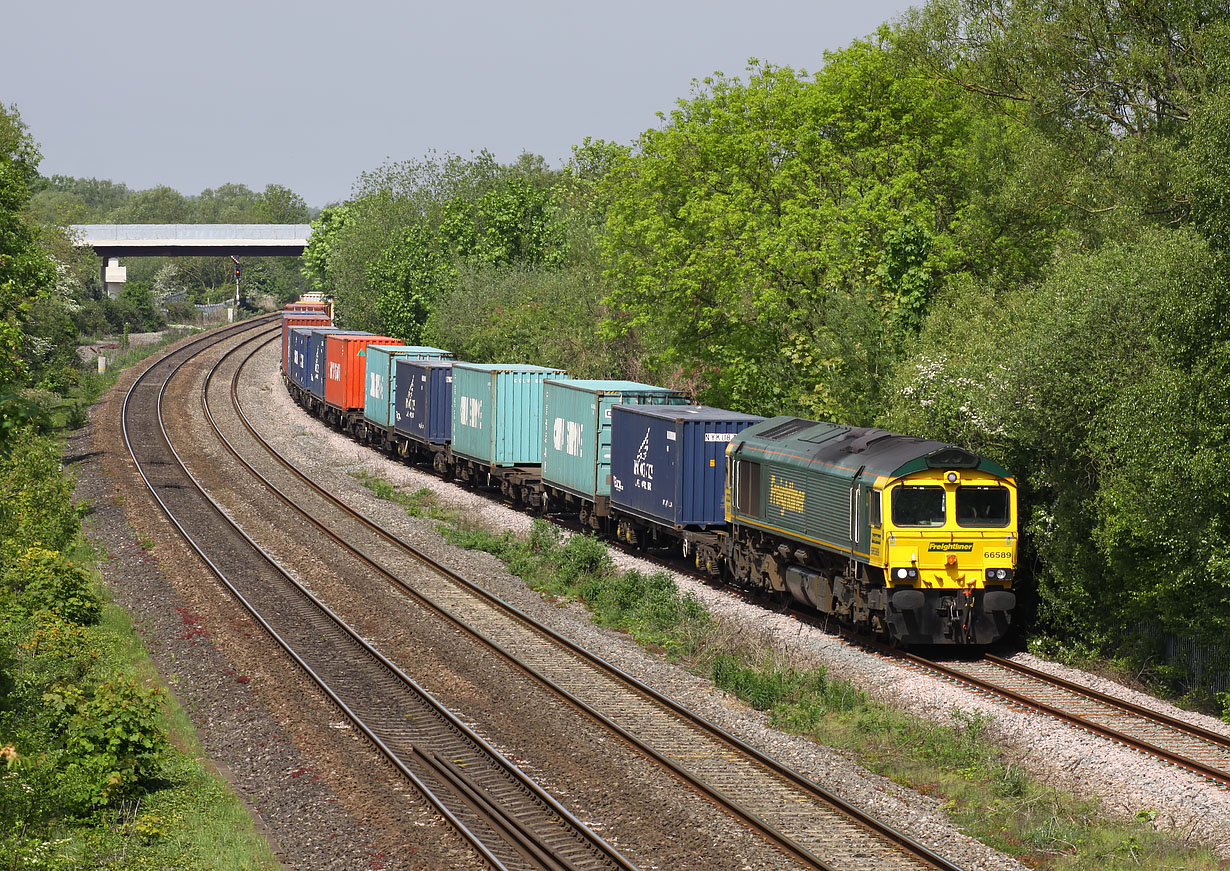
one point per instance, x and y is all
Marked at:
(814, 826)
(509, 820)
(1197, 750)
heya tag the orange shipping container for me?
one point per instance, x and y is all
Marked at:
(346, 368)
(322, 307)
(299, 319)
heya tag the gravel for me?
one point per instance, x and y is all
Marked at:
(298, 776)
(332, 830)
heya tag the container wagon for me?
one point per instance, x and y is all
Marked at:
(576, 449)
(299, 319)
(381, 388)
(423, 410)
(345, 374)
(497, 426)
(316, 364)
(668, 476)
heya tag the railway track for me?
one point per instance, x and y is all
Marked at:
(508, 820)
(815, 827)
(1182, 744)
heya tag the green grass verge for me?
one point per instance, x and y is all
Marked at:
(185, 816)
(984, 794)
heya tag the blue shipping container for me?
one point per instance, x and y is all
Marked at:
(668, 462)
(423, 402)
(300, 343)
(316, 358)
(380, 385)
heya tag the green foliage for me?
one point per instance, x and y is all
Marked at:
(766, 687)
(407, 278)
(513, 223)
(526, 314)
(745, 233)
(281, 205)
(326, 229)
(36, 507)
(26, 272)
(115, 738)
(46, 581)
(165, 205)
(1109, 85)
(392, 257)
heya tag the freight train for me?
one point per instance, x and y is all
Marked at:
(912, 540)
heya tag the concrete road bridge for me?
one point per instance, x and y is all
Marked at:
(113, 241)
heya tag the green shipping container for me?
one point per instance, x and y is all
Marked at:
(576, 453)
(380, 385)
(497, 412)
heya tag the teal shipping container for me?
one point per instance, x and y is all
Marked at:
(497, 412)
(381, 381)
(576, 453)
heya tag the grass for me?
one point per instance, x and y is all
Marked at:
(956, 763)
(421, 503)
(69, 411)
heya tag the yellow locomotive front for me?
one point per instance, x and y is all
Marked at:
(950, 535)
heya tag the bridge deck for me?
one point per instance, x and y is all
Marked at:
(163, 240)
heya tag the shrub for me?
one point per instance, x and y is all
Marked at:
(46, 580)
(115, 738)
(36, 505)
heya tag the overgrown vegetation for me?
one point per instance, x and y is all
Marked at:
(89, 777)
(957, 763)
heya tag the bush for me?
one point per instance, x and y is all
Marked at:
(181, 313)
(46, 580)
(36, 506)
(115, 738)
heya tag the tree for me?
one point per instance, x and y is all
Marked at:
(734, 229)
(159, 205)
(408, 278)
(326, 229)
(281, 205)
(226, 204)
(26, 272)
(1108, 84)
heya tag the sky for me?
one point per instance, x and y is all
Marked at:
(309, 95)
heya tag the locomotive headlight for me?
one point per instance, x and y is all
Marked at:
(952, 477)
(902, 574)
(1001, 574)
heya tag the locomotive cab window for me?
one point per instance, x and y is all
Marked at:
(982, 506)
(919, 506)
(747, 488)
(874, 508)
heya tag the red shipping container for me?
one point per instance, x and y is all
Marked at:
(346, 368)
(299, 319)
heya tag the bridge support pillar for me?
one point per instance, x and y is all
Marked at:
(114, 276)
